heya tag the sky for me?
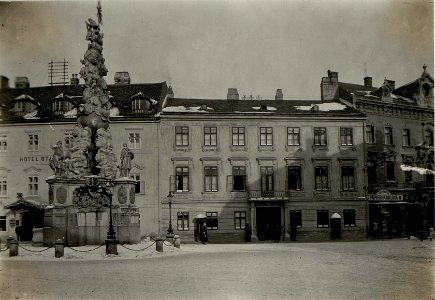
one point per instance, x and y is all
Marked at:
(202, 48)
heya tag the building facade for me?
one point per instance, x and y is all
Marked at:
(399, 150)
(267, 163)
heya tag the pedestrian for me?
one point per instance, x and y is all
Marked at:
(293, 231)
(248, 232)
(203, 234)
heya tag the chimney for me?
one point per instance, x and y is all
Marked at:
(4, 82)
(122, 78)
(74, 79)
(368, 82)
(22, 82)
(233, 94)
(170, 92)
(329, 86)
(392, 84)
(279, 95)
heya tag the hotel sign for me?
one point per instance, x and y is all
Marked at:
(35, 158)
(385, 195)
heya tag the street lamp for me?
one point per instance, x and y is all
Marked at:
(170, 230)
(111, 234)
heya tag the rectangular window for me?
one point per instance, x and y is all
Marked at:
(210, 136)
(181, 136)
(239, 219)
(408, 176)
(2, 223)
(266, 179)
(266, 136)
(33, 185)
(320, 136)
(210, 179)
(182, 221)
(182, 179)
(134, 140)
(347, 178)
(322, 218)
(3, 187)
(346, 136)
(239, 178)
(296, 217)
(3, 143)
(68, 140)
(391, 172)
(349, 218)
(371, 172)
(33, 142)
(238, 136)
(321, 178)
(294, 178)
(138, 185)
(212, 220)
(388, 136)
(370, 134)
(293, 136)
(428, 137)
(406, 137)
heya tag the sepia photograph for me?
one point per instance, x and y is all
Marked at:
(234, 149)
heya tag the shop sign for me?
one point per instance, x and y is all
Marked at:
(35, 158)
(385, 195)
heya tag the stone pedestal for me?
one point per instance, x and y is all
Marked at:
(177, 241)
(112, 246)
(159, 245)
(170, 238)
(59, 248)
(38, 237)
(13, 248)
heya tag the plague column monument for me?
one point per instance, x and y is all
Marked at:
(85, 188)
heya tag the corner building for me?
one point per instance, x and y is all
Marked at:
(266, 163)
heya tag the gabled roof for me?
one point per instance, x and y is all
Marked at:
(256, 107)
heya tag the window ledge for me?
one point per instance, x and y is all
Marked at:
(266, 148)
(293, 148)
(320, 148)
(209, 192)
(349, 193)
(210, 148)
(239, 148)
(182, 148)
(347, 147)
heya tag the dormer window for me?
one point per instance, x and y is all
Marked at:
(22, 108)
(426, 89)
(386, 92)
(60, 107)
(140, 106)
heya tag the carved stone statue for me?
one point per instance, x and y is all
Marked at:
(126, 157)
(56, 160)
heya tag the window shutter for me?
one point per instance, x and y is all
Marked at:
(230, 182)
(172, 183)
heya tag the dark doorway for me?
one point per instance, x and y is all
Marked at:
(268, 223)
(33, 218)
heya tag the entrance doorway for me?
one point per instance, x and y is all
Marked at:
(268, 223)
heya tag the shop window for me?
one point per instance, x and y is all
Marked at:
(212, 220)
(321, 178)
(349, 218)
(182, 221)
(239, 220)
(210, 136)
(293, 136)
(296, 217)
(346, 136)
(320, 136)
(294, 178)
(322, 218)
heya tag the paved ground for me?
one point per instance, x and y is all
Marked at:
(391, 269)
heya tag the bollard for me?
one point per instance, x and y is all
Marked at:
(13, 248)
(112, 246)
(59, 248)
(177, 241)
(159, 244)
(9, 239)
(170, 238)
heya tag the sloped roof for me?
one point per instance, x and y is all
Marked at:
(119, 95)
(255, 107)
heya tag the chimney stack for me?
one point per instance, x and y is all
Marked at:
(368, 82)
(392, 84)
(122, 78)
(170, 92)
(279, 95)
(22, 82)
(329, 86)
(233, 94)
(4, 82)
(74, 79)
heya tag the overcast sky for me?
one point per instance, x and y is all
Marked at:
(202, 48)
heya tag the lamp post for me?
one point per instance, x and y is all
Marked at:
(170, 230)
(111, 234)
(111, 241)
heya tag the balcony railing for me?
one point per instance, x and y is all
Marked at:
(391, 185)
(268, 195)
